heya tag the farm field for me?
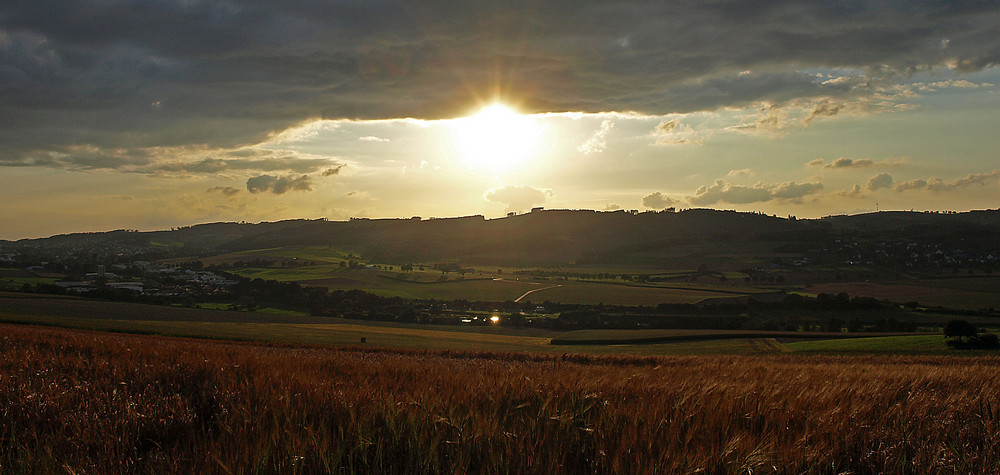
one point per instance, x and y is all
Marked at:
(971, 293)
(900, 344)
(320, 266)
(14, 279)
(176, 405)
(429, 285)
(277, 327)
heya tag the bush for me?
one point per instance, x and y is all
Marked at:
(985, 341)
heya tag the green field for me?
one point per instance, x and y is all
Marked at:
(14, 279)
(903, 344)
(494, 288)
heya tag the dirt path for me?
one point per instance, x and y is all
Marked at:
(536, 290)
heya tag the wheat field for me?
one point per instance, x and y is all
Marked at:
(87, 402)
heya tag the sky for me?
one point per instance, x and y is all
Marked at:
(118, 114)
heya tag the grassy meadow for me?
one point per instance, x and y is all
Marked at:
(86, 402)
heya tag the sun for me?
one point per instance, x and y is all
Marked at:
(497, 139)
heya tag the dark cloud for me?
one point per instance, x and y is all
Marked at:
(724, 192)
(658, 201)
(278, 184)
(249, 160)
(226, 190)
(225, 74)
(83, 158)
(333, 170)
(208, 165)
(518, 197)
(848, 163)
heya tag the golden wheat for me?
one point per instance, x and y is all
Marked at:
(90, 402)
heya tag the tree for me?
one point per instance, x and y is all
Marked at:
(969, 337)
(960, 328)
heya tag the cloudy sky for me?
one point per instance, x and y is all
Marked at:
(159, 113)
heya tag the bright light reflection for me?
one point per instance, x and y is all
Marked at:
(495, 319)
(496, 139)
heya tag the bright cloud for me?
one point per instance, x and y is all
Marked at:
(518, 197)
(724, 192)
(658, 201)
(597, 142)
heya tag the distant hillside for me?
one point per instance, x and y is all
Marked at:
(551, 236)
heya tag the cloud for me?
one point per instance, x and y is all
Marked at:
(278, 185)
(518, 197)
(674, 132)
(658, 201)
(83, 158)
(740, 172)
(875, 183)
(882, 180)
(597, 142)
(724, 192)
(937, 184)
(917, 184)
(612, 207)
(771, 119)
(830, 108)
(245, 159)
(171, 74)
(847, 163)
(371, 138)
(855, 192)
(164, 161)
(949, 84)
(227, 190)
(792, 190)
(334, 170)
